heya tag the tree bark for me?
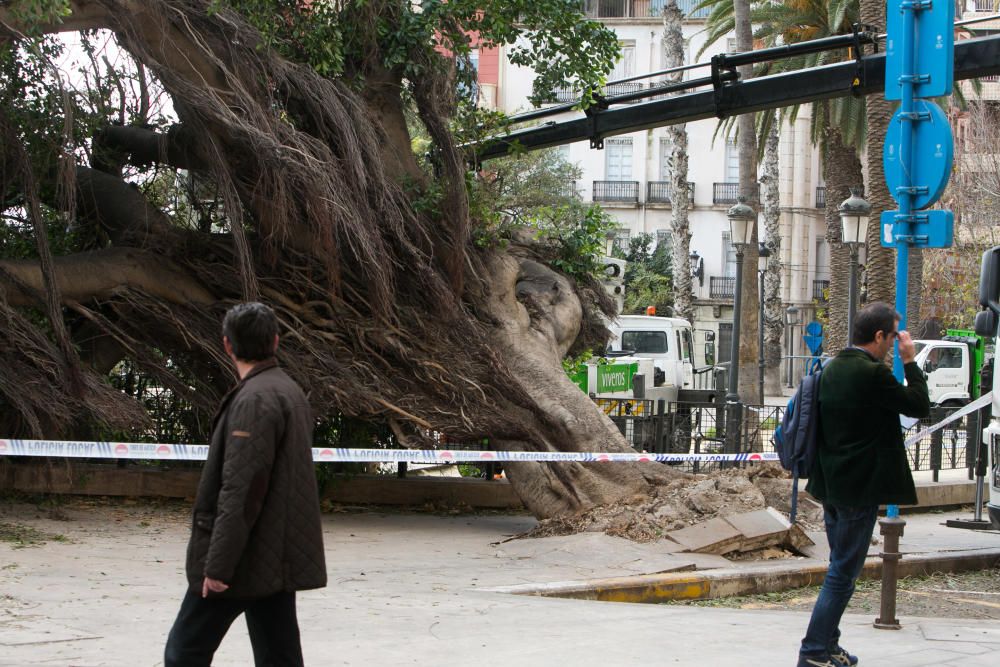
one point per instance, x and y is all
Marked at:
(880, 264)
(773, 307)
(843, 172)
(673, 49)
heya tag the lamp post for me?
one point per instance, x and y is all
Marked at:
(762, 257)
(854, 216)
(697, 267)
(791, 319)
(741, 221)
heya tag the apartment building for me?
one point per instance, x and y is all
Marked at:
(629, 176)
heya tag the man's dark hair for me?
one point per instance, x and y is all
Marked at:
(871, 319)
(251, 328)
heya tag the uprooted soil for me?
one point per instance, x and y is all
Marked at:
(687, 501)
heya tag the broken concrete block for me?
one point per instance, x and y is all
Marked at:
(763, 528)
(715, 536)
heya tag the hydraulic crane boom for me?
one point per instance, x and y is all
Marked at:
(973, 58)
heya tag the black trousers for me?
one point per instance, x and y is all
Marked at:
(203, 622)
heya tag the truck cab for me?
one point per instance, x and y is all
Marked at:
(666, 341)
(952, 365)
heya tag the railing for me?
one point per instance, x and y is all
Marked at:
(658, 192)
(622, 89)
(625, 191)
(819, 289)
(820, 197)
(983, 6)
(721, 287)
(638, 9)
(726, 193)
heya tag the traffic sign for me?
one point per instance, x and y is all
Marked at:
(933, 148)
(934, 48)
(930, 229)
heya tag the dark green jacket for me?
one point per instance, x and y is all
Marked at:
(861, 458)
(256, 516)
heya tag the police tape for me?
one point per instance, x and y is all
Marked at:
(174, 452)
(977, 404)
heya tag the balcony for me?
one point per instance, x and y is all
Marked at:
(617, 191)
(638, 9)
(658, 192)
(566, 95)
(821, 197)
(820, 288)
(721, 287)
(726, 193)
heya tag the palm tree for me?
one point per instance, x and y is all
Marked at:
(673, 42)
(836, 126)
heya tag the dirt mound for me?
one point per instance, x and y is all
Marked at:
(685, 502)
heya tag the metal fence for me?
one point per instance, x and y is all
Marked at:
(699, 428)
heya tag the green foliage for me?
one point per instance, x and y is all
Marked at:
(648, 276)
(35, 13)
(579, 242)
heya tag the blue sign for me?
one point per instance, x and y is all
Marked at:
(929, 229)
(933, 150)
(933, 57)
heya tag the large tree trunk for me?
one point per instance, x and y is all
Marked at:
(771, 221)
(843, 172)
(747, 148)
(388, 310)
(880, 264)
(673, 48)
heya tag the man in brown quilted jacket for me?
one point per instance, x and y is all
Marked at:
(256, 537)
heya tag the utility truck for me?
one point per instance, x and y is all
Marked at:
(953, 366)
(986, 326)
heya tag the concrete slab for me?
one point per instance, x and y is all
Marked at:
(950, 632)
(715, 536)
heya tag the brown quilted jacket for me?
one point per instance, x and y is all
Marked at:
(256, 523)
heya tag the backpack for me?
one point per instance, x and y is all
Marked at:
(796, 439)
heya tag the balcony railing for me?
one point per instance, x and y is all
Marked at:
(658, 192)
(819, 289)
(624, 191)
(721, 287)
(726, 193)
(983, 6)
(638, 9)
(821, 197)
(564, 95)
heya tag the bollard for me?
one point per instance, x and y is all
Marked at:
(891, 527)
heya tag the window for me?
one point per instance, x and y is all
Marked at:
(618, 159)
(943, 357)
(665, 146)
(469, 89)
(725, 349)
(621, 241)
(822, 259)
(647, 342)
(625, 67)
(729, 253)
(665, 239)
(732, 161)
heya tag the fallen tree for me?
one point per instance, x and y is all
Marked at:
(392, 306)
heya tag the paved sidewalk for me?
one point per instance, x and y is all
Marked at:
(406, 589)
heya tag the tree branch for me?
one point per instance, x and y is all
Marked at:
(101, 274)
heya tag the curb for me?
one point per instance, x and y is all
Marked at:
(728, 582)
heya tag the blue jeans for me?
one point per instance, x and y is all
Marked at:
(203, 622)
(849, 532)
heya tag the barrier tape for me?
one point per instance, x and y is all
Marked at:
(977, 404)
(173, 452)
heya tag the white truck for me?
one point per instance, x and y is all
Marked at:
(986, 326)
(953, 365)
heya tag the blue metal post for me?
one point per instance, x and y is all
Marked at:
(902, 227)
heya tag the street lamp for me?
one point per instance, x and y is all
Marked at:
(741, 221)
(791, 319)
(762, 257)
(854, 216)
(697, 268)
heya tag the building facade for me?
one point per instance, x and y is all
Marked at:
(629, 177)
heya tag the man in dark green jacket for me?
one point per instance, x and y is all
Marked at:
(256, 536)
(861, 463)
